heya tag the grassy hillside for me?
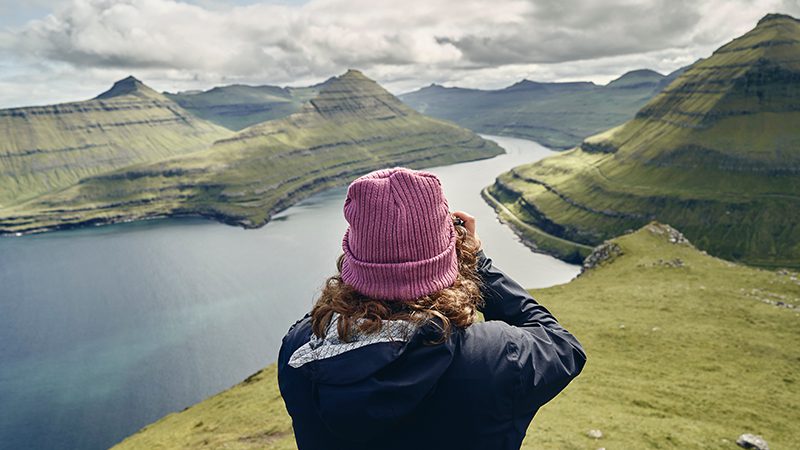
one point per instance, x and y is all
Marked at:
(46, 148)
(557, 115)
(717, 154)
(238, 106)
(684, 351)
(352, 127)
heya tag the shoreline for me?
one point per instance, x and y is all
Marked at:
(548, 244)
(312, 187)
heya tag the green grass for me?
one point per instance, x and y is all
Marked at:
(352, 127)
(716, 154)
(683, 352)
(534, 237)
(249, 415)
(47, 148)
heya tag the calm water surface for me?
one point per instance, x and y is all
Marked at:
(105, 330)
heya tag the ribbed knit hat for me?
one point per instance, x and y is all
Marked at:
(401, 243)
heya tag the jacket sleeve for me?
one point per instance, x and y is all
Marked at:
(547, 356)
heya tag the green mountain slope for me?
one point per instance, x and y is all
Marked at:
(558, 115)
(684, 351)
(353, 126)
(45, 148)
(717, 154)
(238, 106)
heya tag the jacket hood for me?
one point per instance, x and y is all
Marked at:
(376, 381)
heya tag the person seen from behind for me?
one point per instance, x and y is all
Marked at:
(392, 356)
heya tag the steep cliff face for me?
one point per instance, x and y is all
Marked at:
(351, 127)
(716, 154)
(46, 148)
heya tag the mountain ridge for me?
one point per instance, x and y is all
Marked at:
(351, 127)
(716, 153)
(555, 114)
(50, 147)
(239, 106)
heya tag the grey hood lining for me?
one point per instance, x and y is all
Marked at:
(323, 348)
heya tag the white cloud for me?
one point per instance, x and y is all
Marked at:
(176, 45)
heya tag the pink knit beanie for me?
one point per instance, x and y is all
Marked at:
(401, 243)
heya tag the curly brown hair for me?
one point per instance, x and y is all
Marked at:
(456, 305)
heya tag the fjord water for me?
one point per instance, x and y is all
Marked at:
(104, 330)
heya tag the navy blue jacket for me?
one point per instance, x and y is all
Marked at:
(478, 390)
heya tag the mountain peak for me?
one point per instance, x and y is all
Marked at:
(636, 78)
(353, 93)
(129, 85)
(772, 17)
(353, 74)
(524, 84)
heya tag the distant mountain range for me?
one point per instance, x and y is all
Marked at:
(134, 154)
(557, 115)
(716, 154)
(238, 106)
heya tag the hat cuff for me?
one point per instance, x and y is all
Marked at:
(400, 281)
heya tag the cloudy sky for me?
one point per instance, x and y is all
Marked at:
(61, 50)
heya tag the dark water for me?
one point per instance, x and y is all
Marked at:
(105, 330)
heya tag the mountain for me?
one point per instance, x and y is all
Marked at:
(46, 148)
(638, 78)
(685, 351)
(558, 115)
(716, 153)
(351, 127)
(239, 106)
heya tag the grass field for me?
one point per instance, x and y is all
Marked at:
(684, 351)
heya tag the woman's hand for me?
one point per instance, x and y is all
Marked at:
(469, 224)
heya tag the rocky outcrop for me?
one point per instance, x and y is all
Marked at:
(672, 235)
(751, 441)
(598, 147)
(602, 254)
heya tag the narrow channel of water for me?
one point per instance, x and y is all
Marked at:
(104, 330)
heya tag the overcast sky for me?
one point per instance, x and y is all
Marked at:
(61, 50)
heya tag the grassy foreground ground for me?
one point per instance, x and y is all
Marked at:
(684, 351)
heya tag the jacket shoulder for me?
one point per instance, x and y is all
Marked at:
(490, 346)
(490, 336)
(297, 336)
